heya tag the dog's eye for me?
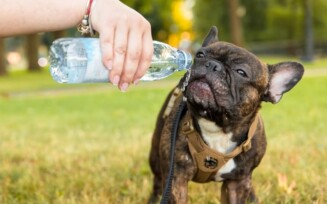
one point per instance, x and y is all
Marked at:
(200, 55)
(241, 72)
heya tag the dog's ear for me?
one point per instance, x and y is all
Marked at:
(212, 37)
(282, 78)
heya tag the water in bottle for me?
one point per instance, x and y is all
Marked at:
(78, 60)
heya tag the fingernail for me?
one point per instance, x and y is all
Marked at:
(136, 81)
(124, 87)
(116, 80)
(109, 65)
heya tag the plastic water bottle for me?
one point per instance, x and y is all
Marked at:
(78, 60)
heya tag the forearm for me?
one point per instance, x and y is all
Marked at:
(31, 16)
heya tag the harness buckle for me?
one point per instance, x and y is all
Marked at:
(187, 127)
(246, 147)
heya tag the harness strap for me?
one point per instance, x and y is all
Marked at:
(209, 161)
(171, 103)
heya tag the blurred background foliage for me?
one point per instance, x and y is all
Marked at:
(294, 28)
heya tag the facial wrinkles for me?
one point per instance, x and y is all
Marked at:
(233, 87)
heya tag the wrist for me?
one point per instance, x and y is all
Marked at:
(102, 10)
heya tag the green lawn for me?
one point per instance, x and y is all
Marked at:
(84, 144)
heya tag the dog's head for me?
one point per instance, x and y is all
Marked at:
(227, 83)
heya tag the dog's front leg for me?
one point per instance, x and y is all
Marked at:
(178, 190)
(238, 192)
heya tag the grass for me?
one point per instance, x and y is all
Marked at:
(70, 144)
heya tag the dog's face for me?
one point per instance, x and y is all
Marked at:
(228, 83)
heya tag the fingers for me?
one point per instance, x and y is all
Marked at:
(133, 55)
(146, 57)
(120, 49)
(126, 41)
(106, 43)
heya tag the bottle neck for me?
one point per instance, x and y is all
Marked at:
(185, 60)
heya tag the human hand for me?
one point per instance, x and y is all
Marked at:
(125, 39)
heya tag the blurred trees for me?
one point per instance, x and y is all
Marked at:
(3, 70)
(208, 13)
(308, 31)
(262, 20)
(58, 34)
(32, 54)
(235, 22)
(158, 13)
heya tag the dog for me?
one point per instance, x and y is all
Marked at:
(221, 135)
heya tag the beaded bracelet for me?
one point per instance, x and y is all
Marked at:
(85, 26)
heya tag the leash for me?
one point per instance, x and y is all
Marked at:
(177, 119)
(167, 190)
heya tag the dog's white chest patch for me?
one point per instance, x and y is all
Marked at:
(219, 141)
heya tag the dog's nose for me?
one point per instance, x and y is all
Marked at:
(215, 66)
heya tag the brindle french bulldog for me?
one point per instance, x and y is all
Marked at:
(221, 135)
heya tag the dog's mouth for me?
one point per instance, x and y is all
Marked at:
(200, 93)
(207, 98)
